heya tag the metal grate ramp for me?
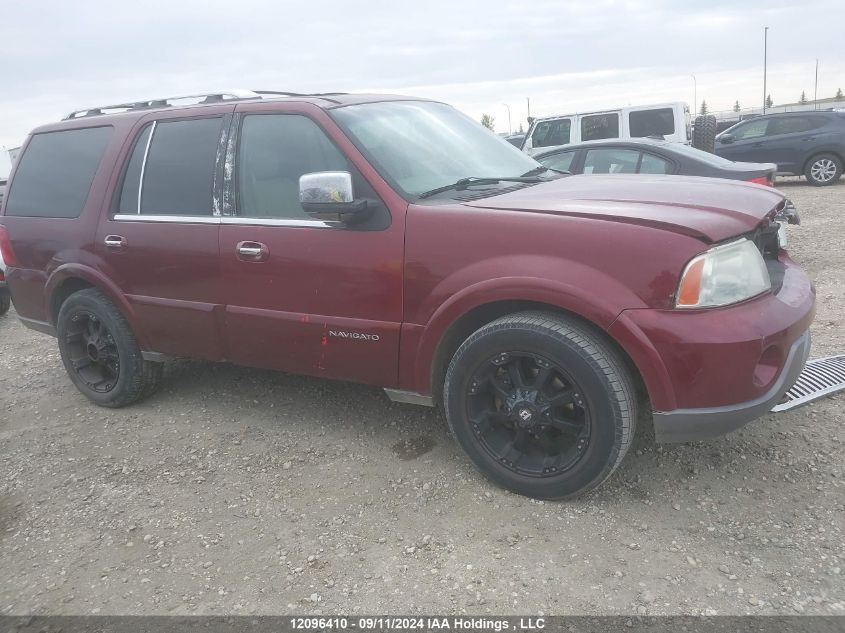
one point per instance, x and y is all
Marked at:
(820, 377)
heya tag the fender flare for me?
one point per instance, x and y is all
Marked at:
(99, 281)
(568, 297)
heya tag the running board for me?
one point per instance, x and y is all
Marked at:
(409, 397)
(821, 377)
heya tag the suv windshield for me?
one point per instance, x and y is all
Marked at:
(418, 146)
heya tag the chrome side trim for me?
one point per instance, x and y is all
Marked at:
(409, 397)
(144, 164)
(319, 224)
(184, 219)
(38, 326)
(156, 357)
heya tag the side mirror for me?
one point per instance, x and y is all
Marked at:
(726, 139)
(327, 195)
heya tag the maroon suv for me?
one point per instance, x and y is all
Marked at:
(395, 242)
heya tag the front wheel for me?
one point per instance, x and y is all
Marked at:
(823, 170)
(5, 304)
(541, 404)
(100, 352)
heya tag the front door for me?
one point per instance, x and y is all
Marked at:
(748, 144)
(303, 295)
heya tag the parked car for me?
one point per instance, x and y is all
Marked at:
(5, 295)
(670, 121)
(648, 156)
(800, 143)
(396, 242)
(515, 139)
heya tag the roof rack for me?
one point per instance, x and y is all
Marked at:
(208, 97)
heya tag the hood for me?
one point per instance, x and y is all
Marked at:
(706, 208)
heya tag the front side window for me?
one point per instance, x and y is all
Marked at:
(420, 145)
(658, 122)
(274, 151)
(551, 133)
(561, 161)
(56, 171)
(611, 161)
(598, 126)
(752, 129)
(178, 173)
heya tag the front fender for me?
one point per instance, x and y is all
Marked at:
(589, 294)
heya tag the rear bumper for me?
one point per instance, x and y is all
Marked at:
(686, 425)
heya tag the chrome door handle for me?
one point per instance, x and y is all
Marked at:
(250, 251)
(115, 241)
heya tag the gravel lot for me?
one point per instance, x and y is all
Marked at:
(243, 491)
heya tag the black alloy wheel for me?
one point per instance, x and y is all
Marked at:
(529, 414)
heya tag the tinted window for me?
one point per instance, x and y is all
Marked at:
(275, 150)
(132, 178)
(551, 133)
(660, 122)
(56, 171)
(753, 129)
(599, 126)
(179, 174)
(793, 125)
(561, 161)
(651, 164)
(611, 161)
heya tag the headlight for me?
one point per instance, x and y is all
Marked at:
(723, 275)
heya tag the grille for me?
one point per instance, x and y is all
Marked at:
(821, 377)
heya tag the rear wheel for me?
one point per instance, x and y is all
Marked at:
(823, 170)
(541, 404)
(100, 352)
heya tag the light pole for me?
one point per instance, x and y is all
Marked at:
(694, 94)
(510, 127)
(816, 91)
(765, 54)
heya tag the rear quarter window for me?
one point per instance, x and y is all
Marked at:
(55, 173)
(658, 122)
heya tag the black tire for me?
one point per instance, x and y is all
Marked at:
(117, 374)
(823, 170)
(579, 355)
(704, 133)
(5, 304)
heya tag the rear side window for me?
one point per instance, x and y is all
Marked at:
(659, 122)
(599, 126)
(177, 161)
(551, 133)
(611, 161)
(651, 164)
(55, 173)
(794, 125)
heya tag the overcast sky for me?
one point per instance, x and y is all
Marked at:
(474, 54)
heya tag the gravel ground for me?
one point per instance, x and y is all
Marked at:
(243, 491)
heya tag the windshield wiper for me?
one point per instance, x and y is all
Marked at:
(463, 183)
(537, 170)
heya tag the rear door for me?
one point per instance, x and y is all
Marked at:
(319, 298)
(160, 241)
(789, 139)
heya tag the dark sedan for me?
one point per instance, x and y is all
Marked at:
(650, 156)
(808, 143)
